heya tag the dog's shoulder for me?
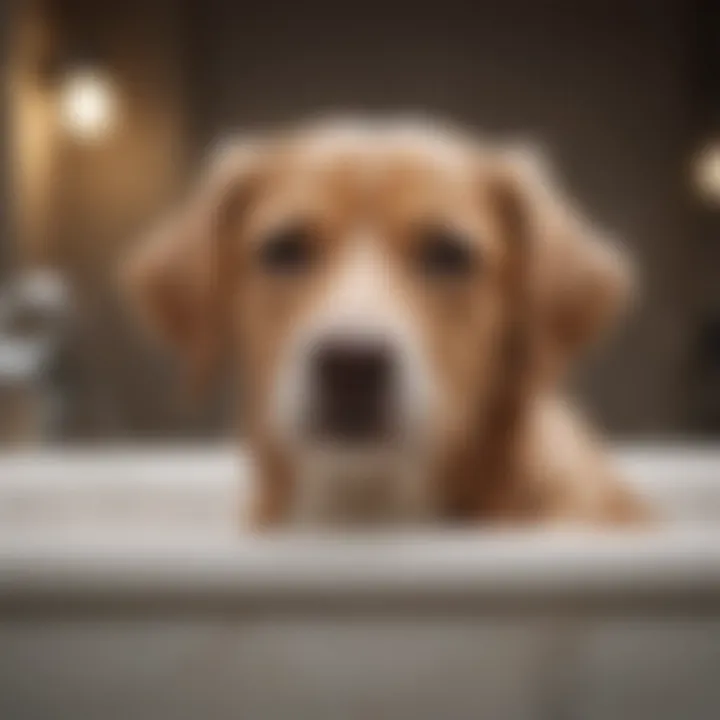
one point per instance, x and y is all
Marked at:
(564, 472)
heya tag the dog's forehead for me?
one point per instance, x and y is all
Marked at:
(401, 168)
(375, 153)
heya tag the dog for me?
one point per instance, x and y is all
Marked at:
(405, 301)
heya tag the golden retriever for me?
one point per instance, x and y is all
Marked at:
(405, 302)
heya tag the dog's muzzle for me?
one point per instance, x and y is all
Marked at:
(354, 376)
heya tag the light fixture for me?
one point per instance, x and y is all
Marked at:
(706, 171)
(88, 104)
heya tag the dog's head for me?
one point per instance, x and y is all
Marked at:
(374, 279)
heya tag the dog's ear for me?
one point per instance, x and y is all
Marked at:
(581, 279)
(180, 275)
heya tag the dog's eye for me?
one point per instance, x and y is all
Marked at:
(444, 253)
(287, 251)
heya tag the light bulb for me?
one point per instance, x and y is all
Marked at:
(87, 104)
(706, 170)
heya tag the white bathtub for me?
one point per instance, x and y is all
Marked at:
(126, 592)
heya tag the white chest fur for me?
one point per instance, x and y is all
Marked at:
(358, 489)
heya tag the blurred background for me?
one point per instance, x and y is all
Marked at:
(108, 108)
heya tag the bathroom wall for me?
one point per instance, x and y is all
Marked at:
(81, 202)
(615, 92)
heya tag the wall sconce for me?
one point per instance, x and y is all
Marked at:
(87, 103)
(706, 172)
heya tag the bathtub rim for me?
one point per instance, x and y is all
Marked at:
(677, 572)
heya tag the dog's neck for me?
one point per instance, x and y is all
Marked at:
(368, 490)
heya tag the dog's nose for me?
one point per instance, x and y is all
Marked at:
(354, 380)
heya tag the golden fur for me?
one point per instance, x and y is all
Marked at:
(506, 447)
